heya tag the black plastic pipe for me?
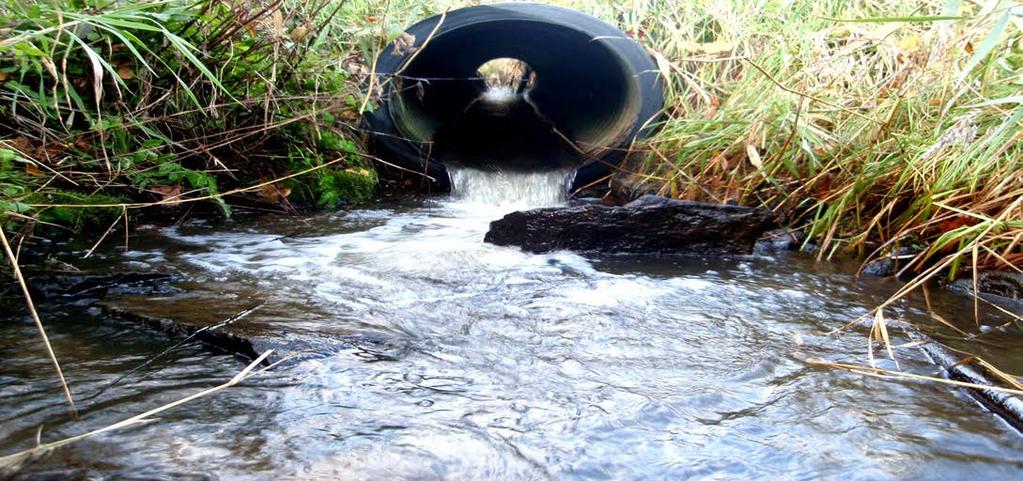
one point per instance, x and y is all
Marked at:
(595, 90)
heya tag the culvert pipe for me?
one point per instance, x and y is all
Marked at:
(588, 90)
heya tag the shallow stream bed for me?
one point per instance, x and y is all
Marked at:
(431, 355)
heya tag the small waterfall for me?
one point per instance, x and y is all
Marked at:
(503, 189)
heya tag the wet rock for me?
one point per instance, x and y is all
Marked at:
(650, 224)
(890, 264)
(246, 332)
(783, 239)
(70, 286)
(1002, 284)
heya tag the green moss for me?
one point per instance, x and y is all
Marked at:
(77, 217)
(352, 185)
(349, 182)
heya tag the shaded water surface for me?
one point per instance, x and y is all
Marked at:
(472, 361)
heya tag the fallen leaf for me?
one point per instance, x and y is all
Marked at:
(167, 192)
(32, 170)
(754, 156)
(21, 143)
(663, 65)
(404, 44)
(83, 143)
(277, 24)
(712, 108)
(640, 35)
(125, 72)
(349, 115)
(954, 223)
(272, 194)
(909, 44)
(299, 33)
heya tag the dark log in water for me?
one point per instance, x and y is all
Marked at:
(957, 367)
(960, 368)
(650, 224)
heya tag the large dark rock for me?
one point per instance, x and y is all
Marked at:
(649, 224)
(1005, 287)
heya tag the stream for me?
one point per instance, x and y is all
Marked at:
(428, 354)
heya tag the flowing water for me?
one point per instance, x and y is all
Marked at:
(431, 355)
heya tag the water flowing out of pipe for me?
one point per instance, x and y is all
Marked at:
(508, 190)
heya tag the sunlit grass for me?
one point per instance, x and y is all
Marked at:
(883, 129)
(871, 125)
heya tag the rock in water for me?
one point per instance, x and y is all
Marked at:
(650, 224)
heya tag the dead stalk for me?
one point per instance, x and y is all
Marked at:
(14, 459)
(888, 374)
(35, 317)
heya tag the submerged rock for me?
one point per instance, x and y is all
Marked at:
(68, 286)
(247, 332)
(777, 240)
(650, 224)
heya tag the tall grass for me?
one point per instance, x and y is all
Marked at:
(874, 125)
(112, 101)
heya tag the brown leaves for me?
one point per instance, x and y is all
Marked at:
(636, 34)
(299, 33)
(125, 71)
(274, 194)
(84, 143)
(955, 222)
(404, 44)
(38, 152)
(32, 170)
(166, 192)
(754, 156)
(712, 107)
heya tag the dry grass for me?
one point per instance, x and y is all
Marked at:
(889, 128)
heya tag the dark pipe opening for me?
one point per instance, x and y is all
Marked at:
(586, 91)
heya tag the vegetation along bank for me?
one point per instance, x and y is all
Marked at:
(873, 127)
